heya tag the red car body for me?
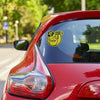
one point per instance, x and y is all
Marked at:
(71, 81)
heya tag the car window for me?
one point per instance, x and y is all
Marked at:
(71, 42)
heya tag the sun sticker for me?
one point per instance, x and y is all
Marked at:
(54, 38)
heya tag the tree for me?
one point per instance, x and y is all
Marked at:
(28, 12)
(71, 5)
(92, 4)
(31, 14)
(64, 5)
(92, 34)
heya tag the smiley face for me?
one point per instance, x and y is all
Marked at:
(54, 38)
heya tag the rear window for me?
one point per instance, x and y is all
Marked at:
(75, 41)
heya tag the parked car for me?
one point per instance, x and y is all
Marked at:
(62, 62)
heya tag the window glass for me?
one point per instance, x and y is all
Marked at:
(72, 41)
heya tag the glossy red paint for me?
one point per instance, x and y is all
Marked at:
(90, 90)
(69, 78)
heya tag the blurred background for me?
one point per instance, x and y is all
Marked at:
(19, 19)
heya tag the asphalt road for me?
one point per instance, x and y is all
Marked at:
(9, 57)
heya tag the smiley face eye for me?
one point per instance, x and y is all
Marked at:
(50, 33)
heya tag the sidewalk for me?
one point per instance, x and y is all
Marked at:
(6, 45)
(9, 57)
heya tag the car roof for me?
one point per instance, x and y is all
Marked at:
(71, 15)
(52, 19)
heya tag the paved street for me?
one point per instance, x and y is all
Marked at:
(9, 57)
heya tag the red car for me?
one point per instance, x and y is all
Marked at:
(62, 61)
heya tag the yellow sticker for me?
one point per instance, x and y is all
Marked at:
(54, 38)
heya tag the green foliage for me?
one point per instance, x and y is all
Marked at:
(92, 34)
(72, 5)
(31, 15)
(1, 12)
(64, 5)
(28, 12)
(93, 4)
